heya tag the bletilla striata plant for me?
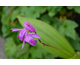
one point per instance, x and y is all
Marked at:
(27, 36)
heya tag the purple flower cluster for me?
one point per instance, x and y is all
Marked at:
(27, 36)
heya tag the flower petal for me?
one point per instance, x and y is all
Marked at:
(13, 29)
(26, 37)
(29, 27)
(23, 44)
(21, 34)
(30, 40)
(34, 35)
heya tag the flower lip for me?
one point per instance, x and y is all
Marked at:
(32, 42)
(29, 39)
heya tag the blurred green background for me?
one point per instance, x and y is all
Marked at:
(60, 21)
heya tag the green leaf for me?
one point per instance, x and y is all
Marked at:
(4, 31)
(51, 13)
(24, 56)
(10, 48)
(56, 22)
(61, 29)
(21, 52)
(70, 7)
(59, 8)
(39, 52)
(77, 9)
(46, 18)
(52, 10)
(46, 54)
(51, 37)
(5, 20)
(70, 28)
(7, 11)
(36, 53)
(49, 56)
(76, 56)
(70, 23)
(40, 9)
(14, 14)
(24, 9)
(15, 37)
(31, 12)
(70, 32)
(75, 43)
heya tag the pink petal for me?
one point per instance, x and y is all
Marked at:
(30, 27)
(34, 35)
(30, 40)
(20, 38)
(26, 37)
(21, 34)
(13, 29)
(23, 44)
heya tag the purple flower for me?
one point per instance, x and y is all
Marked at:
(21, 34)
(27, 37)
(29, 27)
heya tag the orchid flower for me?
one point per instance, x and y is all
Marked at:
(28, 26)
(28, 37)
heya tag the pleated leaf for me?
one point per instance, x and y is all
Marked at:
(51, 37)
